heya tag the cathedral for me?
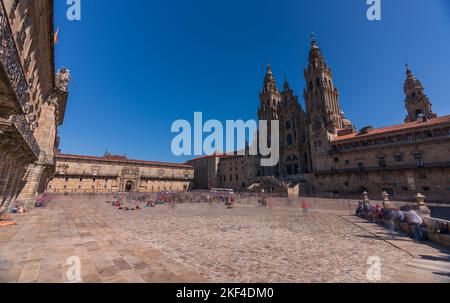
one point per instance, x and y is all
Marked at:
(321, 150)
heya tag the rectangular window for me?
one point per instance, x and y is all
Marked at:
(398, 158)
(419, 160)
(381, 162)
(289, 169)
(361, 166)
(296, 169)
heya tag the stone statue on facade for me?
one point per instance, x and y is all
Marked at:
(32, 119)
(62, 79)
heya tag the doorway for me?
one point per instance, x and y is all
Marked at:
(129, 186)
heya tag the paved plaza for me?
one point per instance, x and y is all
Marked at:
(207, 243)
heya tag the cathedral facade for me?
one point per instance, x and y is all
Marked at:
(322, 151)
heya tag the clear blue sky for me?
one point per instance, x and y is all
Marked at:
(137, 66)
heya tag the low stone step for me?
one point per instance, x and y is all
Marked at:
(439, 266)
(418, 274)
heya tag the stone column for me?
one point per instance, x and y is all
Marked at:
(28, 194)
(45, 135)
(14, 179)
(387, 204)
(423, 208)
(4, 166)
(5, 179)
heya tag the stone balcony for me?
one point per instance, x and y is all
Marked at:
(13, 89)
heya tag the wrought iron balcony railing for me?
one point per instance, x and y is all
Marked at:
(10, 59)
(24, 129)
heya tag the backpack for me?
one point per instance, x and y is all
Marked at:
(441, 228)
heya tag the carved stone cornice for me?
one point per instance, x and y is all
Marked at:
(10, 59)
(58, 99)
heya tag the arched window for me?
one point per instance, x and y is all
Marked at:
(292, 165)
(318, 82)
(290, 140)
(419, 113)
(289, 169)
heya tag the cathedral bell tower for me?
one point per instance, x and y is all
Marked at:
(325, 117)
(269, 98)
(417, 103)
(321, 97)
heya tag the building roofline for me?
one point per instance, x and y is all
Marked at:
(395, 129)
(124, 160)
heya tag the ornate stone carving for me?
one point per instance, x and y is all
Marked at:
(53, 100)
(62, 79)
(24, 129)
(9, 58)
(32, 119)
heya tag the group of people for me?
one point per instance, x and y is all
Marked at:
(127, 205)
(393, 217)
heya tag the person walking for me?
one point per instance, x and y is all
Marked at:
(306, 208)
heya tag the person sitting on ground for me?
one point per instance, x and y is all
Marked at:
(398, 218)
(414, 222)
(388, 216)
(378, 214)
(360, 209)
(372, 213)
(22, 210)
(367, 209)
(40, 201)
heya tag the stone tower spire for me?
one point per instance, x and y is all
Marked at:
(269, 97)
(269, 81)
(321, 97)
(416, 102)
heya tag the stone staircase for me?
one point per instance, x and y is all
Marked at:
(430, 262)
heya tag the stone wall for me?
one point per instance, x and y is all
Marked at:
(31, 102)
(82, 174)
